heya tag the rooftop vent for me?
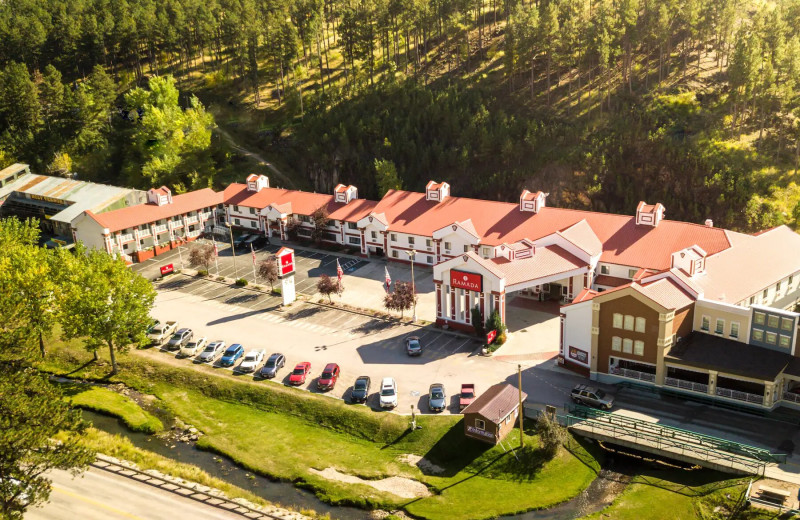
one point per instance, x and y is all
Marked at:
(532, 202)
(344, 194)
(437, 192)
(709, 222)
(256, 183)
(649, 214)
(159, 196)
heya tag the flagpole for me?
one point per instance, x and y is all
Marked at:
(216, 255)
(255, 277)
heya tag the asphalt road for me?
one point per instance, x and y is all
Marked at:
(100, 495)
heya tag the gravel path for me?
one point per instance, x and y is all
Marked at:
(400, 486)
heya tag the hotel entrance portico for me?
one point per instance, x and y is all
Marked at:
(468, 281)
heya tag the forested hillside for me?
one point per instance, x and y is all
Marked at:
(602, 103)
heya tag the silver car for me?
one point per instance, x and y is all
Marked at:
(179, 339)
(437, 399)
(592, 396)
(212, 351)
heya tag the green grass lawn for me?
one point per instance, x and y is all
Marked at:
(111, 403)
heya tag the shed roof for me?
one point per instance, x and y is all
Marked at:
(496, 402)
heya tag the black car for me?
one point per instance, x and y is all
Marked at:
(257, 241)
(360, 390)
(239, 242)
(271, 367)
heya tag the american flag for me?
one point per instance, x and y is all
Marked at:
(388, 278)
(254, 254)
(339, 271)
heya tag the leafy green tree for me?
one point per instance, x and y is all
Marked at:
(19, 107)
(320, 221)
(107, 304)
(32, 412)
(386, 176)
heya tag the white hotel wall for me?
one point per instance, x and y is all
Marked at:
(577, 330)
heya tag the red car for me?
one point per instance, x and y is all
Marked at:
(299, 373)
(329, 376)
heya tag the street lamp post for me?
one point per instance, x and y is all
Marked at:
(233, 251)
(411, 254)
(180, 241)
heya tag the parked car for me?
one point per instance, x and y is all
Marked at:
(592, 396)
(274, 363)
(230, 356)
(181, 337)
(467, 396)
(239, 242)
(191, 348)
(437, 399)
(257, 241)
(212, 351)
(388, 393)
(300, 373)
(251, 361)
(413, 346)
(360, 390)
(161, 331)
(152, 325)
(329, 377)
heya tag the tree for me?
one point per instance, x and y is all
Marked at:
(32, 412)
(477, 321)
(551, 434)
(201, 254)
(401, 299)
(328, 286)
(107, 304)
(495, 322)
(268, 270)
(321, 221)
(386, 177)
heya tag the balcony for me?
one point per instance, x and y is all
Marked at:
(127, 237)
(686, 385)
(161, 228)
(740, 396)
(206, 215)
(791, 397)
(191, 220)
(192, 234)
(632, 374)
(175, 224)
(144, 233)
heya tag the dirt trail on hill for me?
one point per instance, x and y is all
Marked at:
(258, 157)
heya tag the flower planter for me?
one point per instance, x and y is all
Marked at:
(143, 255)
(162, 249)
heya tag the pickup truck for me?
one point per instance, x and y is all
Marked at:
(467, 395)
(161, 332)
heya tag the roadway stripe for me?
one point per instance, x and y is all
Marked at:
(97, 504)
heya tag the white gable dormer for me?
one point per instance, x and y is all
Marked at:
(649, 214)
(532, 202)
(159, 196)
(256, 183)
(691, 261)
(344, 194)
(437, 192)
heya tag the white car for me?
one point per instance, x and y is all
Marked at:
(251, 361)
(193, 347)
(388, 393)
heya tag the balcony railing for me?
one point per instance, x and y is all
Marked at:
(791, 396)
(144, 233)
(173, 224)
(191, 220)
(686, 385)
(740, 396)
(192, 234)
(161, 228)
(127, 237)
(206, 215)
(633, 374)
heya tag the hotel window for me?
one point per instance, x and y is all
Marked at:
(765, 294)
(705, 324)
(394, 237)
(784, 341)
(628, 322)
(480, 424)
(632, 273)
(759, 318)
(772, 322)
(772, 338)
(236, 209)
(352, 225)
(466, 248)
(752, 300)
(411, 241)
(638, 348)
(428, 242)
(354, 240)
(640, 324)
(430, 259)
(604, 269)
(720, 326)
(236, 221)
(778, 287)
(486, 252)
(786, 323)
(627, 346)
(617, 320)
(447, 246)
(789, 283)
(758, 335)
(616, 343)
(253, 223)
(373, 235)
(394, 253)
(735, 329)
(252, 211)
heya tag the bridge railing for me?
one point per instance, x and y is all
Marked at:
(672, 432)
(666, 445)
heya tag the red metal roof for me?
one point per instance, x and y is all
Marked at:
(302, 202)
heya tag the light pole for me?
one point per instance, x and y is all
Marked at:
(411, 254)
(179, 240)
(233, 251)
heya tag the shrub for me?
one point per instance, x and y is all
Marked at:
(241, 282)
(202, 272)
(220, 278)
(500, 339)
(477, 319)
(276, 291)
(551, 434)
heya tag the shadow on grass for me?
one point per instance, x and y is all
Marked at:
(454, 451)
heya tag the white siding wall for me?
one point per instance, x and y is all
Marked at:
(727, 313)
(577, 329)
(620, 271)
(89, 232)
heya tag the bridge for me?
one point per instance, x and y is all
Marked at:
(669, 442)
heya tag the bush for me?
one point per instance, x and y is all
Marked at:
(500, 339)
(551, 434)
(220, 278)
(241, 282)
(477, 320)
(276, 291)
(202, 272)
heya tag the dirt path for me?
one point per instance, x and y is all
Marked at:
(258, 157)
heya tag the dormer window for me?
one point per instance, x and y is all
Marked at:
(344, 194)
(649, 214)
(256, 183)
(437, 192)
(532, 202)
(692, 260)
(159, 196)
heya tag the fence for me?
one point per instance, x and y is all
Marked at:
(740, 396)
(686, 385)
(633, 374)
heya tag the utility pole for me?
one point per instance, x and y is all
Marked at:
(233, 250)
(412, 254)
(521, 409)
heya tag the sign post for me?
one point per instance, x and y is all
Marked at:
(286, 273)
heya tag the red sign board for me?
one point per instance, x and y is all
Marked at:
(490, 336)
(166, 269)
(287, 264)
(468, 281)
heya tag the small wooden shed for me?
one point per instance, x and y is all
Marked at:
(493, 414)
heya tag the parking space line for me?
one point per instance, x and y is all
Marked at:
(462, 344)
(449, 340)
(349, 321)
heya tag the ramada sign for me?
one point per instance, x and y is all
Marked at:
(468, 281)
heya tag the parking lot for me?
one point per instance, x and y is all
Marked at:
(360, 344)
(309, 265)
